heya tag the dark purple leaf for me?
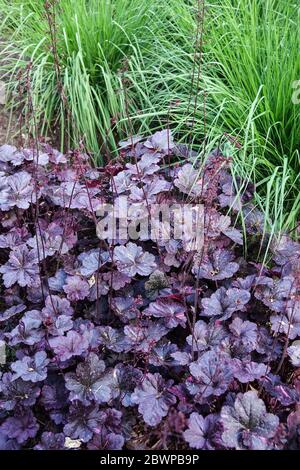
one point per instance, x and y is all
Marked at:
(247, 425)
(153, 398)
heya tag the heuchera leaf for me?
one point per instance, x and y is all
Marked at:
(86, 384)
(212, 372)
(153, 398)
(22, 426)
(173, 313)
(11, 312)
(187, 180)
(33, 369)
(51, 441)
(247, 371)
(201, 432)
(274, 293)
(289, 322)
(28, 331)
(82, 422)
(65, 347)
(21, 268)
(294, 353)
(244, 334)
(247, 425)
(131, 260)
(223, 303)
(160, 141)
(206, 336)
(76, 288)
(135, 342)
(17, 393)
(106, 441)
(217, 266)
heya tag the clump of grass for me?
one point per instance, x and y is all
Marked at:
(251, 60)
(92, 41)
(253, 49)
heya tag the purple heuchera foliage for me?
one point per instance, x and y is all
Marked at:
(17, 392)
(106, 441)
(18, 191)
(173, 313)
(202, 433)
(11, 312)
(51, 441)
(212, 372)
(28, 331)
(288, 321)
(31, 369)
(206, 335)
(86, 384)
(294, 353)
(65, 347)
(83, 422)
(247, 371)
(247, 425)
(22, 426)
(131, 260)
(153, 398)
(223, 303)
(216, 266)
(120, 343)
(76, 288)
(21, 268)
(244, 335)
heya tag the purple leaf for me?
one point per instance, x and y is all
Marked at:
(153, 398)
(76, 288)
(92, 261)
(131, 260)
(161, 141)
(11, 312)
(65, 347)
(206, 336)
(173, 313)
(28, 330)
(277, 389)
(143, 338)
(106, 441)
(288, 323)
(201, 431)
(82, 422)
(51, 441)
(244, 334)
(217, 266)
(17, 392)
(21, 268)
(22, 426)
(247, 371)
(86, 384)
(247, 425)
(223, 303)
(188, 181)
(212, 372)
(33, 369)
(274, 293)
(20, 190)
(294, 353)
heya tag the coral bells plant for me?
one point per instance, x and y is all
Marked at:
(120, 329)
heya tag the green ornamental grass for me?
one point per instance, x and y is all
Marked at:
(94, 40)
(128, 66)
